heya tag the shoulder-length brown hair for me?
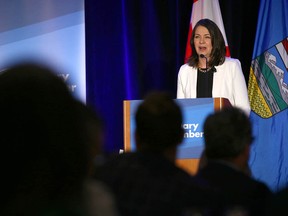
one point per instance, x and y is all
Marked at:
(218, 44)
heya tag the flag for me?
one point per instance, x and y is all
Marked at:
(268, 95)
(205, 9)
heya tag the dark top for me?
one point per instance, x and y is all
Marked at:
(277, 205)
(204, 83)
(149, 184)
(238, 189)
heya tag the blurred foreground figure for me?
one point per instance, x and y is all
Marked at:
(45, 144)
(228, 136)
(278, 203)
(147, 181)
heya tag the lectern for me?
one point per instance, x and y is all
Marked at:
(194, 112)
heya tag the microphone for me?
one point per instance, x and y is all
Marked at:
(203, 56)
(213, 69)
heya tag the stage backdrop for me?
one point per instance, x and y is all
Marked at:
(134, 47)
(49, 32)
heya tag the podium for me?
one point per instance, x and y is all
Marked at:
(194, 113)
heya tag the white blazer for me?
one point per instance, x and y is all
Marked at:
(228, 82)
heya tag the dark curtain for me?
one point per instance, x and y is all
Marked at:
(133, 47)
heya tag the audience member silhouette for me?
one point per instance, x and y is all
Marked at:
(98, 199)
(228, 136)
(147, 181)
(45, 151)
(277, 205)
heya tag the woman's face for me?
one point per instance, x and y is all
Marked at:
(203, 41)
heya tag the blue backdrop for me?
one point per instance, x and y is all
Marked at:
(50, 32)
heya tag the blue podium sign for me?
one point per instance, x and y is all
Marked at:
(194, 112)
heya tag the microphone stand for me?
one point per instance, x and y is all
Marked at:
(203, 56)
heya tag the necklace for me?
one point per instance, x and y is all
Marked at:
(203, 70)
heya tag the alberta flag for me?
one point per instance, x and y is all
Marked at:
(209, 9)
(268, 95)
